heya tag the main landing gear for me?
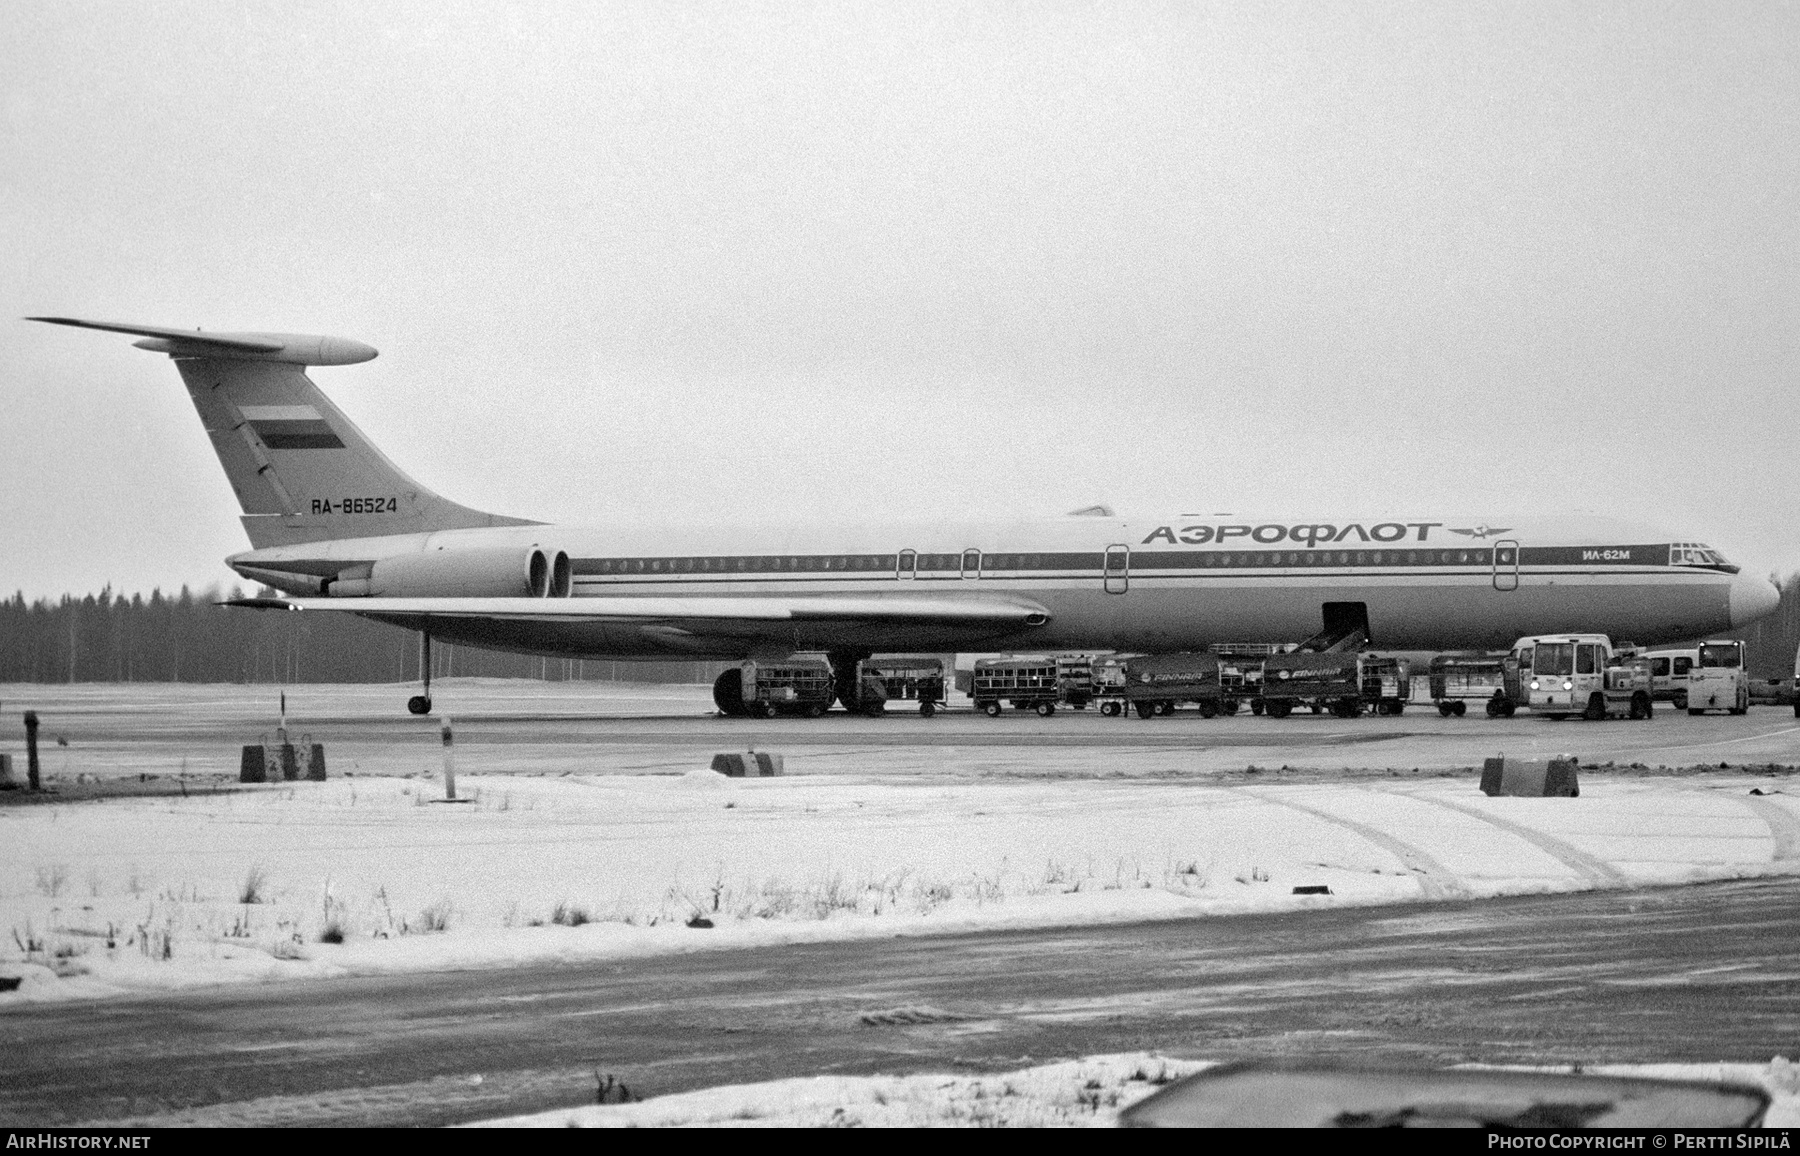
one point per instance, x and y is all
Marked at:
(421, 703)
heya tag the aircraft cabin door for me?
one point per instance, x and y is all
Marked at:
(1506, 564)
(1116, 575)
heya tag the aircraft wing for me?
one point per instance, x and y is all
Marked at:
(944, 610)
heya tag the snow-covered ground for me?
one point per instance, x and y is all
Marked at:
(1089, 1092)
(136, 894)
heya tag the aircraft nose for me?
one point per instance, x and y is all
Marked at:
(1751, 598)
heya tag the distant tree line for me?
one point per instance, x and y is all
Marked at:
(186, 637)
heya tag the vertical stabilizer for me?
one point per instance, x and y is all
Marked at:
(302, 471)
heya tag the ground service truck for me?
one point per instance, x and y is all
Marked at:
(1583, 674)
(1720, 678)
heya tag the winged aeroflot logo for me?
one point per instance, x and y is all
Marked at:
(1481, 531)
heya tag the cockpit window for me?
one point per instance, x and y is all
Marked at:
(1721, 657)
(1696, 554)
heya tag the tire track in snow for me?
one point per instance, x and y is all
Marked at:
(1783, 824)
(1435, 880)
(1592, 869)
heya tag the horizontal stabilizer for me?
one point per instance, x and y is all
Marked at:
(292, 348)
(838, 608)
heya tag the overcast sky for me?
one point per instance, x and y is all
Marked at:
(803, 261)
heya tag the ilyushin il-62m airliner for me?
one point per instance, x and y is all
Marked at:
(336, 526)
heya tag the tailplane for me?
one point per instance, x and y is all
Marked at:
(302, 470)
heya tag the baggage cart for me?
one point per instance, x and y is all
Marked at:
(1457, 680)
(1026, 683)
(881, 681)
(797, 685)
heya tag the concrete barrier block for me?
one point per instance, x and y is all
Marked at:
(253, 767)
(6, 773)
(1530, 778)
(315, 763)
(290, 762)
(748, 764)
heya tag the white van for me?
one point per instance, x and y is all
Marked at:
(1669, 670)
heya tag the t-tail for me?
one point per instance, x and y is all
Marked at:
(302, 470)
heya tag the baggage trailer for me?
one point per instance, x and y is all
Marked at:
(1474, 676)
(1719, 680)
(1075, 675)
(1109, 684)
(1158, 683)
(1386, 683)
(1026, 683)
(1341, 681)
(880, 681)
(797, 685)
(1584, 674)
(1241, 673)
(1332, 680)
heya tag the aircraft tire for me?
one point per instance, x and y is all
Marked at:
(728, 693)
(419, 704)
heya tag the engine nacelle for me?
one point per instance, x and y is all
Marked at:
(474, 572)
(478, 572)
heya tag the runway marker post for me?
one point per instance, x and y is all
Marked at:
(449, 763)
(31, 755)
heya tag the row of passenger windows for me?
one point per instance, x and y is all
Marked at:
(1343, 558)
(959, 563)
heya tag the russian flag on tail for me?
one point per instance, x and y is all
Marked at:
(291, 427)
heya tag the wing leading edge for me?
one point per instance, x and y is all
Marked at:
(964, 610)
